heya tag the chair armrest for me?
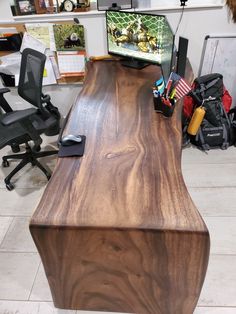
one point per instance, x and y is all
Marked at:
(17, 116)
(4, 90)
(3, 103)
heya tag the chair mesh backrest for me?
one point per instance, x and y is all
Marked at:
(31, 76)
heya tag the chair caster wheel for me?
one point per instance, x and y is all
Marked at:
(15, 148)
(9, 186)
(5, 163)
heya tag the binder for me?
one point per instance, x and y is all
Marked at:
(11, 43)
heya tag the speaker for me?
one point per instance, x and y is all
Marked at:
(103, 5)
(182, 56)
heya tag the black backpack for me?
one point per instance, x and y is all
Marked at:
(217, 129)
(210, 85)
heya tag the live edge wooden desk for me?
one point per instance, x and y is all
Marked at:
(116, 229)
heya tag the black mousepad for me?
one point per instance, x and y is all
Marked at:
(73, 150)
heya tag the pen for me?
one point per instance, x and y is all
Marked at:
(166, 102)
(173, 93)
(168, 87)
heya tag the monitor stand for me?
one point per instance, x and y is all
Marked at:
(136, 64)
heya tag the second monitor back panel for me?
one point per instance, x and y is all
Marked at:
(103, 5)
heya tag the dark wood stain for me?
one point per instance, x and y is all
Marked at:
(117, 229)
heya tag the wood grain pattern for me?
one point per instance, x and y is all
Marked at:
(117, 229)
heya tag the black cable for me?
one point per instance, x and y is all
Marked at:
(181, 16)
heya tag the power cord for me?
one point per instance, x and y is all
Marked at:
(182, 4)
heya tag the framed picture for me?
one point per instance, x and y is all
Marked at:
(25, 7)
(40, 6)
(43, 6)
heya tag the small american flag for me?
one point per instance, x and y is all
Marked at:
(181, 87)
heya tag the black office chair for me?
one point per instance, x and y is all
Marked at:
(22, 126)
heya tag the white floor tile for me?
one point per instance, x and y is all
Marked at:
(17, 273)
(21, 307)
(210, 175)
(4, 226)
(41, 290)
(219, 288)
(217, 156)
(29, 176)
(20, 202)
(18, 237)
(223, 234)
(215, 201)
(215, 310)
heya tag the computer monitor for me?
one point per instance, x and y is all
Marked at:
(140, 38)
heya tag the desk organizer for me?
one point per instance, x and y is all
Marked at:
(162, 107)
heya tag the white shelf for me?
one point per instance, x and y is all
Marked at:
(56, 17)
(66, 16)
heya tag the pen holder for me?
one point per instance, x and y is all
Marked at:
(163, 108)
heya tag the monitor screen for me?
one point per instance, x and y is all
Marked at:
(141, 36)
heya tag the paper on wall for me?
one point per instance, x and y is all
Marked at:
(69, 37)
(49, 76)
(71, 63)
(55, 67)
(33, 43)
(44, 33)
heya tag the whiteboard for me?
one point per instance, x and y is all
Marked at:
(219, 56)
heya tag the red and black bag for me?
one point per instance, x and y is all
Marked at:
(217, 129)
(203, 87)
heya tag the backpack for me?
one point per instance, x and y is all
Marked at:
(217, 128)
(203, 87)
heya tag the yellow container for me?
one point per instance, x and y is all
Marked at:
(196, 120)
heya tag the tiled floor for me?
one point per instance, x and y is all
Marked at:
(211, 180)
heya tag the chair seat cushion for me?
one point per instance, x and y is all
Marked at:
(17, 116)
(13, 133)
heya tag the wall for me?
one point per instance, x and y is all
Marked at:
(195, 25)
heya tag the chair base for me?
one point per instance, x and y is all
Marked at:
(30, 156)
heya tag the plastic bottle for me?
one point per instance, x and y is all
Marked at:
(196, 120)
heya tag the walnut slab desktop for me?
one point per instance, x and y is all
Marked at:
(116, 229)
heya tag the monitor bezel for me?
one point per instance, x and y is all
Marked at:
(137, 58)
